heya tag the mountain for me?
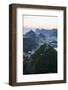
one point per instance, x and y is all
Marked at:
(47, 35)
(34, 39)
(47, 32)
(30, 34)
(39, 51)
(37, 31)
(29, 44)
(44, 60)
(30, 41)
(42, 36)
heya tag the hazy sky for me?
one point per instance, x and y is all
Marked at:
(47, 22)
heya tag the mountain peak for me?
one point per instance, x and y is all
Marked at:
(31, 32)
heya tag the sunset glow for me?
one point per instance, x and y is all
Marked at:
(47, 22)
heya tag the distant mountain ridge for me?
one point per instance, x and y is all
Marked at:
(36, 38)
(42, 31)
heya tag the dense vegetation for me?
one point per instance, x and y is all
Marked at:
(44, 60)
